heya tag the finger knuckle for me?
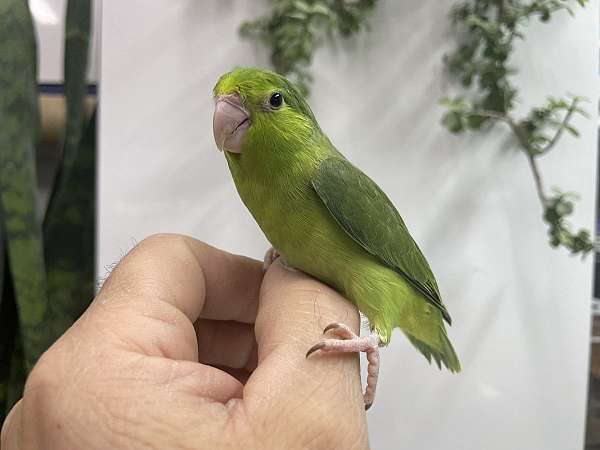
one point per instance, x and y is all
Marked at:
(164, 240)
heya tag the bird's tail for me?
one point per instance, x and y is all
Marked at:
(444, 354)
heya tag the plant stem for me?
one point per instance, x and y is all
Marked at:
(502, 117)
(539, 185)
(482, 59)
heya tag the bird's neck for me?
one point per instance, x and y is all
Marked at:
(276, 160)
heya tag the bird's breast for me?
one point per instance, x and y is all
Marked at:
(299, 226)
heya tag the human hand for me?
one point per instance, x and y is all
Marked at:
(137, 369)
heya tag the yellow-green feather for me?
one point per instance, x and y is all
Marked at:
(274, 175)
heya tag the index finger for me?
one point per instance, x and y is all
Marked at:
(293, 311)
(225, 286)
(166, 283)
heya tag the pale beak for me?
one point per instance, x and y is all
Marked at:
(230, 122)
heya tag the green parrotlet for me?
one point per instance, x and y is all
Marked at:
(326, 218)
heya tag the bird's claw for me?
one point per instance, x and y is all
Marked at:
(340, 330)
(331, 326)
(314, 348)
(351, 342)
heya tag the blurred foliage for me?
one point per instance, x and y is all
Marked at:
(487, 31)
(294, 29)
(47, 270)
(69, 224)
(18, 182)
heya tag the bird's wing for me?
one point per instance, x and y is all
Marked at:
(368, 216)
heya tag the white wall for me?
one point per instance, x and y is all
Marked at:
(520, 309)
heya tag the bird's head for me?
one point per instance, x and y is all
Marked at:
(258, 107)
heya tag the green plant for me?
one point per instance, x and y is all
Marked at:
(47, 265)
(487, 33)
(294, 29)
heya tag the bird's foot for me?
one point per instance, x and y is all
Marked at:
(350, 342)
(270, 257)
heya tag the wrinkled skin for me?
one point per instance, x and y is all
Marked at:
(126, 374)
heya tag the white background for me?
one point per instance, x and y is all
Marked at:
(520, 309)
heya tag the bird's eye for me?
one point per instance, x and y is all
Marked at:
(276, 100)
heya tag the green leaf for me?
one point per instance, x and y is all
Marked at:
(302, 6)
(69, 226)
(321, 9)
(475, 121)
(571, 129)
(294, 29)
(486, 33)
(453, 122)
(582, 112)
(545, 16)
(298, 15)
(69, 236)
(564, 208)
(18, 181)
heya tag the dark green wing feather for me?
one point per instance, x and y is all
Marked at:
(369, 217)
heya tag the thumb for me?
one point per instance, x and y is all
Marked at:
(293, 311)
(10, 437)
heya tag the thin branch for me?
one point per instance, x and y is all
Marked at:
(490, 114)
(514, 126)
(491, 73)
(539, 186)
(500, 11)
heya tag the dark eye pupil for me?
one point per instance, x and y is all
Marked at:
(276, 100)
